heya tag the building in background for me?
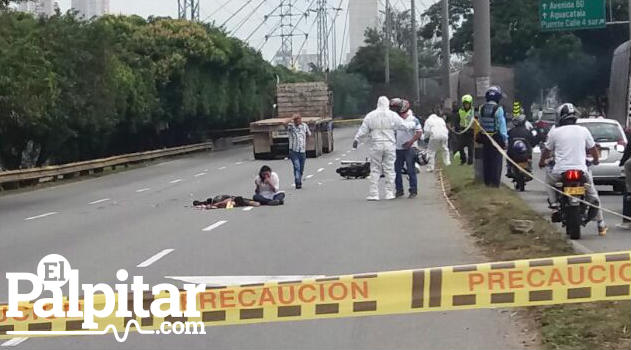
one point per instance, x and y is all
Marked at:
(91, 8)
(363, 14)
(304, 61)
(39, 7)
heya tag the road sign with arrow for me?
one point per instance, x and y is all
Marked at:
(571, 14)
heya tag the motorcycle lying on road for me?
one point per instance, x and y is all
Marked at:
(573, 212)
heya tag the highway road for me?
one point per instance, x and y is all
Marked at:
(142, 217)
(616, 240)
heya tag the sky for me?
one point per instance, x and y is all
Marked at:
(244, 23)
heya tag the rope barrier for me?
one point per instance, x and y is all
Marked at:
(544, 183)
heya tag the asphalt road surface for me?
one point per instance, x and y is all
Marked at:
(616, 240)
(143, 217)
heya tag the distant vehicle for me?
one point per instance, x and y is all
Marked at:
(544, 123)
(313, 101)
(610, 136)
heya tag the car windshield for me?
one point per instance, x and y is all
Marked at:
(549, 117)
(604, 132)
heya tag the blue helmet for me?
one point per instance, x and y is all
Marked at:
(520, 147)
(494, 93)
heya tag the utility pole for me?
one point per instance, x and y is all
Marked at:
(481, 64)
(446, 50)
(184, 7)
(417, 90)
(323, 36)
(388, 30)
(629, 6)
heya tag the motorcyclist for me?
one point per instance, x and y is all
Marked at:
(570, 143)
(380, 126)
(520, 143)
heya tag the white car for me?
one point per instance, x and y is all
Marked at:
(610, 136)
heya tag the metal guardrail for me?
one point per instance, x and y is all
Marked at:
(71, 168)
(13, 176)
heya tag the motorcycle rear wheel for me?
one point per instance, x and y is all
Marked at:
(573, 222)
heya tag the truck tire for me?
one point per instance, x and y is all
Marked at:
(573, 222)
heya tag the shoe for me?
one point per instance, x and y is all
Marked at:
(412, 195)
(274, 202)
(298, 186)
(602, 229)
(390, 197)
(281, 202)
(624, 226)
(400, 194)
(372, 199)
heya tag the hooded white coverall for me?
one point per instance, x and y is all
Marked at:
(380, 126)
(438, 134)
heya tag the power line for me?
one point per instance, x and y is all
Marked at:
(248, 17)
(307, 35)
(235, 13)
(344, 34)
(217, 10)
(265, 18)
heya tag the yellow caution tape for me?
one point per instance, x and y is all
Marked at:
(558, 280)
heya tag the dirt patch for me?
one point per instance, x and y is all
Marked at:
(487, 214)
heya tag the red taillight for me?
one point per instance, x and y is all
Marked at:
(573, 175)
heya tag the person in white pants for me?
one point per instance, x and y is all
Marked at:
(436, 130)
(380, 126)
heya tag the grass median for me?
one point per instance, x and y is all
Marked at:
(488, 214)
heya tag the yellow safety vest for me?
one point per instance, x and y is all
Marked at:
(465, 117)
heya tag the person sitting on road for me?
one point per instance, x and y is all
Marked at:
(225, 201)
(267, 190)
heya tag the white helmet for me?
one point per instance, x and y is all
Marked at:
(566, 111)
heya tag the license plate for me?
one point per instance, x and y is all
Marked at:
(574, 191)
(604, 154)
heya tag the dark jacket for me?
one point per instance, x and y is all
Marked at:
(626, 155)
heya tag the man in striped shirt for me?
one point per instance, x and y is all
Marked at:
(298, 132)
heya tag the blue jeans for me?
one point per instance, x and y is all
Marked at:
(265, 201)
(405, 156)
(298, 160)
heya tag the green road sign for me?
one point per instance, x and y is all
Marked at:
(571, 14)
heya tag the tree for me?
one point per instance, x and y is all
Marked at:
(575, 61)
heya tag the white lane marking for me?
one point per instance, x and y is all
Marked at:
(238, 163)
(41, 216)
(206, 170)
(309, 176)
(222, 168)
(175, 181)
(14, 342)
(319, 183)
(344, 155)
(142, 190)
(330, 163)
(99, 201)
(200, 174)
(248, 208)
(320, 170)
(336, 159)
(155, 258)
(214, 226)
(238, 280)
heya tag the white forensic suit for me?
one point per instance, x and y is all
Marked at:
(380, 126)
(436, 130)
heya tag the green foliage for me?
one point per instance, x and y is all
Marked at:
(350, 93)
(578, 62)
(117, 84)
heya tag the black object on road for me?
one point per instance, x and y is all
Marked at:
(355, 170)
